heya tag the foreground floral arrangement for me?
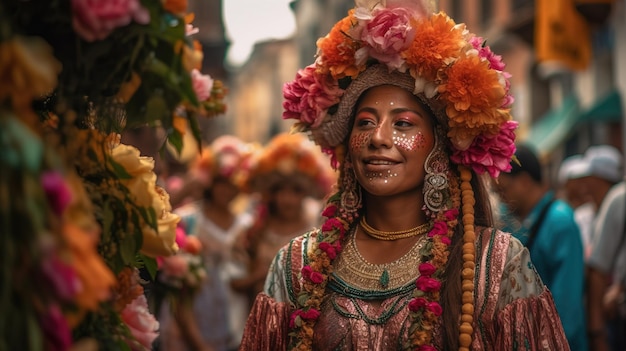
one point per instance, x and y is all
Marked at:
(83, 220)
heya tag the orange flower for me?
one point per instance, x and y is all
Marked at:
(437, 42)
(337, 50)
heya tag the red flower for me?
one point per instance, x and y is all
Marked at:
(417, 303)
(330, 211)
(427, 284)
(310, 314)
(451, 214)
(427, 348)
(314, 277)
(333, 223)
(435, 308)
(329, 249)
(427, 269)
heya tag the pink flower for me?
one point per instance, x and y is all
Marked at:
(202, 84)
(387, 34)
(57, 191)
(141, 323)
(175, 266)
(62, 277)
(417, 303)
(427, 284)
(427, 269)
(181, 237)
(435, 308)
(427, 348)
(329, 211)
(56, 331)
(451, 214)
(311, 314)
(96, 19)
(439, 228)
(445, 240)
(490, 153)
(484, 52)
(309, 96)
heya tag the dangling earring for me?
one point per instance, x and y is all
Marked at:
(350, 193)
(436, 179)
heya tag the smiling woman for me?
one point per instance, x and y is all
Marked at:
(414, 110)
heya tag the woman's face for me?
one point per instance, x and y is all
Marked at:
(391, 137)
(223, 192)
(288, 199)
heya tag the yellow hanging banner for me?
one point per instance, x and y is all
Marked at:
(561, 34)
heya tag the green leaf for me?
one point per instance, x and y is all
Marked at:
(195, 130)
(175, 139)
(150, 264)
(118, 169)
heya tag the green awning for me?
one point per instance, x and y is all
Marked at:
(555, 126)
(607, 109)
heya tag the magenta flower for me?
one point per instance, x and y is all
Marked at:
(313, 276)
(309, 96)
(388, 34)
(417, 303)
(427, 284)
(435, 308)
(96, 19)
(427, 348)
(427, 269)
(62, 277)
(490, 153)
(202, 84)
(439, 228)
(56, 331)
(57, 191)
(484, 52)
(451, 214)
(310, 314)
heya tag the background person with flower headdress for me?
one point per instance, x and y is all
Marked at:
(291, 177)
(215, 319)
(415, 110)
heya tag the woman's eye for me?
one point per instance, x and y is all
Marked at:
(363, 122)
(403, 123)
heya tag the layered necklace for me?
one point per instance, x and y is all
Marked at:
(390, 236)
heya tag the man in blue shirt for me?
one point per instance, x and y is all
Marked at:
(549, 231)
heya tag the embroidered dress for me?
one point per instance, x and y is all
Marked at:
(510, 298)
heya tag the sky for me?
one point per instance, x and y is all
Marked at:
(249, 21)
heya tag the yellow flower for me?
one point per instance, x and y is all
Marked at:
(161, 243)
(28, 69)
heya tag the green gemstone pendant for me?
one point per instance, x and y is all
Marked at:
(384, 278)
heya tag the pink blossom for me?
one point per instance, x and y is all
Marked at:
(175, 266)
(309, 96)
(388, 34)
(314, 277)
(310, 314)
(202, 84)
(435, 308)
(439, 228)
(490, 153)
(181, 237)
(445, 240)
(484, 52)
(55, 329)
(427, 348)
(57, 191)
(96, 19)
(62, 277)
(417, 303)
(427, 284)
(427, 269)
(141, 323)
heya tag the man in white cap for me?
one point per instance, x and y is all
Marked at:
(606, 274)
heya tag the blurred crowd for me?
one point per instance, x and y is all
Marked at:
(243, 202)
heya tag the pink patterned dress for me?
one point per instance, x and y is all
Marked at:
(513, 309)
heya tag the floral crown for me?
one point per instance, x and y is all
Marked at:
(227, 157)
(403, 43)
(294, 157)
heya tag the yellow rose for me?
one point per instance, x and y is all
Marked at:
(162, 243)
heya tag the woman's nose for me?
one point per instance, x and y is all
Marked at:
(383, 135)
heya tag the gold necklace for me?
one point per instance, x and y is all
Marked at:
(400, 234)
